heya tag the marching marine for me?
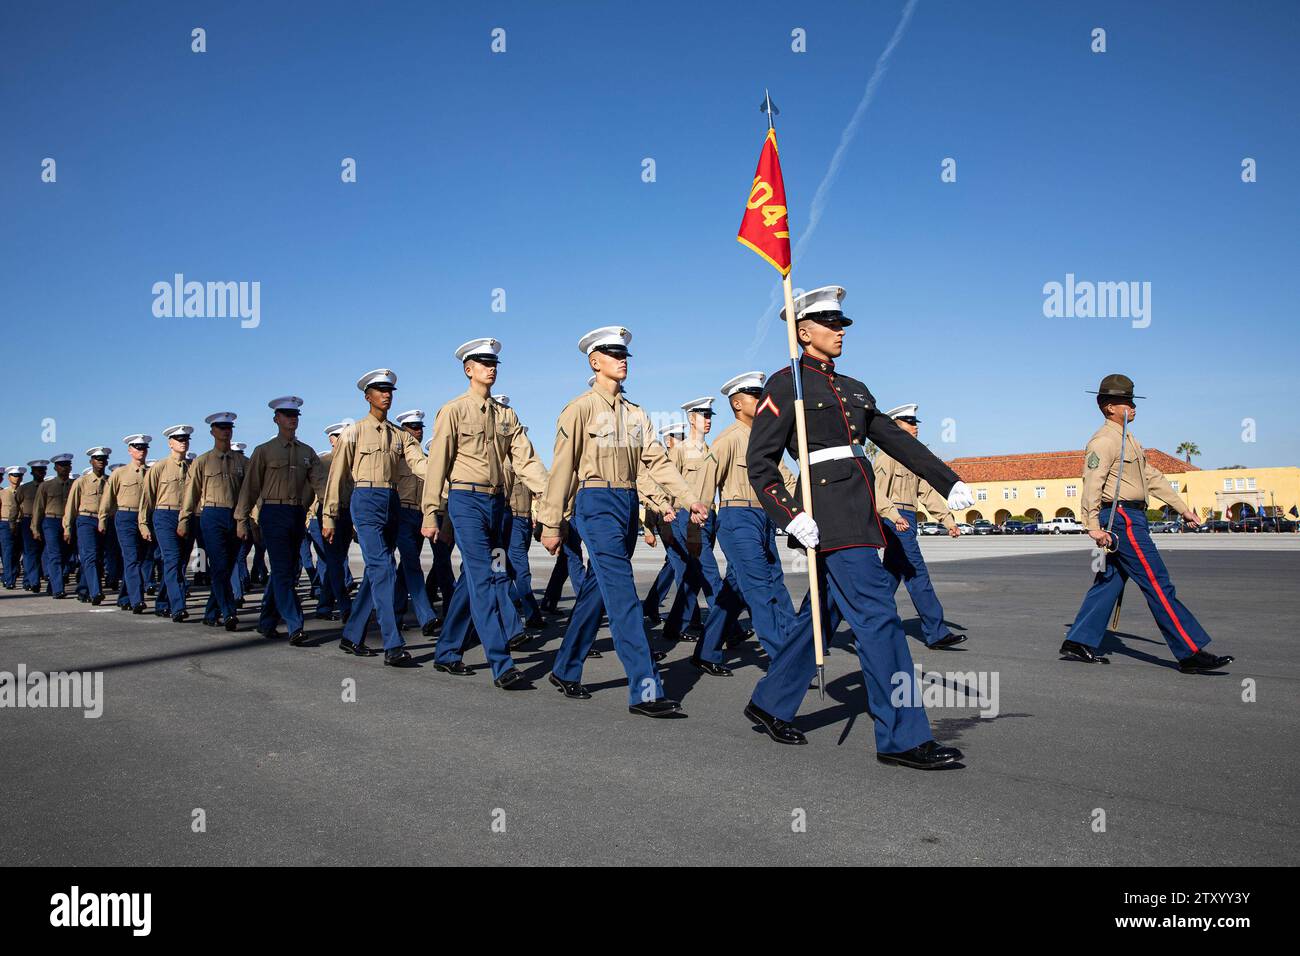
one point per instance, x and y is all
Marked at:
(81, 521)
(475, 439)
(841, 416)
(278, 481)
(47, 521)
(211, 495)
(1117, 479)
(365, 459)
(898, 492)
(603, 445)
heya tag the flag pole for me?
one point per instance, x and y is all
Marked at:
(801, 432)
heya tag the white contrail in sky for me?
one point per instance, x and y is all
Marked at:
(833, 170)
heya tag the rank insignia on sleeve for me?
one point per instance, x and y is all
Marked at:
(1093, 460)
(768, 403)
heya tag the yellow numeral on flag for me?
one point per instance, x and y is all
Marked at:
(772, 215)
(759, 191)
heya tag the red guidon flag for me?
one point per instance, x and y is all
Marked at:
(765, 228)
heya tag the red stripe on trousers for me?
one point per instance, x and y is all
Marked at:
(1156, 584)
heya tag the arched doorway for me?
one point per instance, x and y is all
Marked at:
(1064, 513)
(1240, 510)
(972, 516)
(1033, 514)
(1002, 515)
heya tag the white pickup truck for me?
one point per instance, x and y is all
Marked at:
(1060, 526)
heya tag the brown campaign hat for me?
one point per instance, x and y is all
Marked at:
(1116, 386)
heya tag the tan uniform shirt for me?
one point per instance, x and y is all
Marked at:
(279, 472)
(51, 500)
(521, 498)
(602, 437)
(693, 458)
(122, 492)
(164, 488)
(896, 487)
(83, 499)
(731, 450)
(27, 497)
(478, 441)
(1102, 468)
(214, 481)
(315, 504)
(10, 509)
(410, 485)
(367, 454)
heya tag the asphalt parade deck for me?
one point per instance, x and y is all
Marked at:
(425, 768)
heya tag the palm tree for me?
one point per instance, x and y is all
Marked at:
(1187, 449)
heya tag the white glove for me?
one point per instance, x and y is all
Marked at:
(960, 497)
(804, 530)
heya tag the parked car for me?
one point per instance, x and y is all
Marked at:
(1159, 527)
(1013, 527)
(964, 528)
(1030, 527)
(1250, 524)
(1214, 525)
(1061, 526)
(983, 526)
(931, 527)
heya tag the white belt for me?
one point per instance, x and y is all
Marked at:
(839, 451)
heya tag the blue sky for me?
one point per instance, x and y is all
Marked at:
(522, 171)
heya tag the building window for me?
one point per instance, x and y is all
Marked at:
(1239, 484)
(1173, 485)
(1071, 491)
(982, 494)
(1227, 484)
(1040, 492)
(1250, 484)
(1006, 494)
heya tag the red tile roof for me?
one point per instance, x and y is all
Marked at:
(1047, 464)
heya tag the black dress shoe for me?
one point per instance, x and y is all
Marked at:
(151, 590)
(1074, 651)
(97, 600)
(1202, 662)
(161, 612)
(571, 689)
(298, 638)
(181, 616)
(949, 640)
(62, 595)
(593, 653)
(518, 641)
(83, 599)
(138, 609)
(663, 707)
(511, 680)
(536, 622)
(232, 624)
(360, 650)
(399, 658)
(657, 656)
(710, 668)
(927, 756)
(781, 731)
(455, 668)
(430, 626)
(267, 634)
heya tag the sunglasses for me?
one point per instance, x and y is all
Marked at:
(183, 439)
(224, 426)
(139, 447)
(288, 412)
(99, 458)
